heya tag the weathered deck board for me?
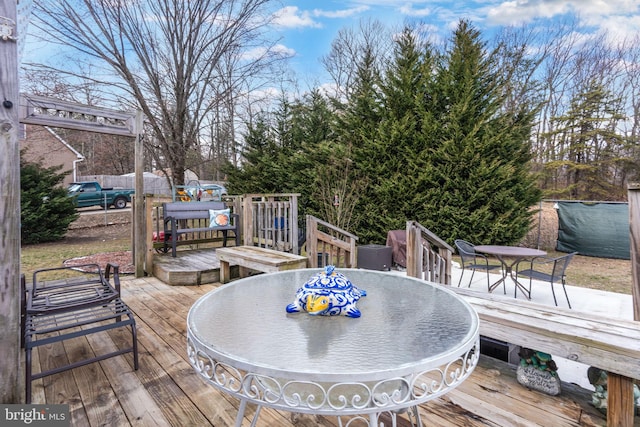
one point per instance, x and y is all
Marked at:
(167, 391)
(255, 258)
(191, 267)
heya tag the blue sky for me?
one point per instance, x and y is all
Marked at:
(309, 26)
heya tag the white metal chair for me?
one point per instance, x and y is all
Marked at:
(472, 260)
(547, 269)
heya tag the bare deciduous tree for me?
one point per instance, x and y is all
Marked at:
(167, 57)
(349, 49)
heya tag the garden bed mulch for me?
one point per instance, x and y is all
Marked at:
(123, 258)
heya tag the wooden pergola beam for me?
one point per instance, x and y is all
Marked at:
(44, 111)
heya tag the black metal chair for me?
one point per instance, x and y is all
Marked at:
(547, 269)
(472, 260)
(84, 302)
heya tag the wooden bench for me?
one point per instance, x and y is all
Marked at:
(189, 223)
(255, 258)
(84, 303)
(608, 343)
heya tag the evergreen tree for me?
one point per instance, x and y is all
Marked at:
(407, 131)
(590, 149)
(479, 186)
(357, 127)
(46, 210)
(314, 156)
(259, 172)
(285, 156)
(432, 141)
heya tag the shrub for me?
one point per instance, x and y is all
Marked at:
(45, 208)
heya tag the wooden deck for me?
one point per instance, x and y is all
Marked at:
(167, 391)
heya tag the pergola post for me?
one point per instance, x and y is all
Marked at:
(10, 382)
(139, 220)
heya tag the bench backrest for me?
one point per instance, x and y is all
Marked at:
(190, 210)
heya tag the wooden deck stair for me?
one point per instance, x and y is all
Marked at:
(192, 267)
(167, 391)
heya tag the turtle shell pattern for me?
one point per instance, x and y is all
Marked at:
(327, 293)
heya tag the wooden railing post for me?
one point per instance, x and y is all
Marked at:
(148, 205)
(294, 224)
(312, 242)
(420, 242)
(247, 220)
(620, 404)
(634, 228)
(353, 260)
(337, 246)
(414, 251)
(139, 226)
(620, 409)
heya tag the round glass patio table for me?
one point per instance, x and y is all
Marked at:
(414, 341)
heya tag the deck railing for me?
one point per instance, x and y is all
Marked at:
(428, 256)
(608, 343)
(267, 220)
(271, 221)
(329, 245)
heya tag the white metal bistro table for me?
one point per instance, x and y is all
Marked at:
(414, 342)
(508, 257)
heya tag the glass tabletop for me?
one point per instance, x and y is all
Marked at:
(406, 325)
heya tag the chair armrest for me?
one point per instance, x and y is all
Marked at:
(167, 220)
(544, 259)
(478, 256)
(116, 275)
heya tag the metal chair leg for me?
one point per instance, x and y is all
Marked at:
(553, 292)
(565, 292)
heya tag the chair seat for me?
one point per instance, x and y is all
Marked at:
(539, 275)
(556, 267)
(482, 266)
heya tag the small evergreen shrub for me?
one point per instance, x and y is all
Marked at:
(45, 208)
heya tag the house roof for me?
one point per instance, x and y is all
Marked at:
(65, 143)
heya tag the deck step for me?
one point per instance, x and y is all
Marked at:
(189, 267)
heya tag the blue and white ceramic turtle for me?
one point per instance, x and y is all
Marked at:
(327, 293)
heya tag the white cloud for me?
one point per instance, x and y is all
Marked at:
(279, 50)
(408, 9)
(618, 17)
(282, 50)
(292, 17)
(523, 11)
(591, 11)
(604, 8)
(344, 13)
(620, 27)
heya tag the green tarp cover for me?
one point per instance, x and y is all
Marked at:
(594, 229)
